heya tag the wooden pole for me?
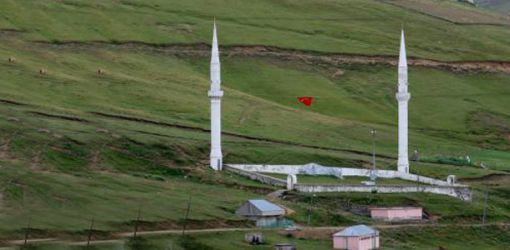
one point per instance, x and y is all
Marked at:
(136, 223)
(27, 230)
(310, 210)
(90, 232)
(485, 205)
(188, 208)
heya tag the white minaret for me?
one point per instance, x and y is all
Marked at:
(215, 95)
(403, 97)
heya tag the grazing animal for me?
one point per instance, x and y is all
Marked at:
(42, 72)
(12, 59)
(100, 72)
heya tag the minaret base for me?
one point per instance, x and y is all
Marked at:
(403, 167)
(216, 163)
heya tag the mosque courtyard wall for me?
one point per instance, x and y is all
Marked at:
(315, 169)
(256, 172)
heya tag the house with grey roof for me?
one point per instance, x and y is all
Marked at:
(359, 237)
(263, 212)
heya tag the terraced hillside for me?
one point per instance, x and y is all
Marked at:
(104, 107)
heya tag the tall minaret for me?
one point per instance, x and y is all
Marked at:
(215, 95)
(403, 97)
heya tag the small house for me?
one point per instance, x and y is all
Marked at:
(263, 212)
(360, 237)
(396, 213)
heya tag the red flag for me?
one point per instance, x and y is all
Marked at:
(306, 100)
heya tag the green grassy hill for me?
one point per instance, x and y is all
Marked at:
(81, 145)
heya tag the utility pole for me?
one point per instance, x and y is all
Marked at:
(310, 210)
(373, 175)
(90, 232)
(27, 230)
(136, 222)
(188, 208)
(485, 205)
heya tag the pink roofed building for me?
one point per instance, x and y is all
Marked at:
(358, 237)
(396, 213)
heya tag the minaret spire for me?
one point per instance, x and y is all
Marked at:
(215, 61)
(403, 97)
(402, 60)
(215, 94)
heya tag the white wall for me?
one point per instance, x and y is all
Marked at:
(315, 169)
(434, 186)
(462, 193)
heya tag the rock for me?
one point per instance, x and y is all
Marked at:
(102, 130)
(43, 130)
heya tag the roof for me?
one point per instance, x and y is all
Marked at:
(265, 206)
(393, 208)
(260, 208)
(358, 230)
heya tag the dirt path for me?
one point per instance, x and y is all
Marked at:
(309, 57)
(118, 237)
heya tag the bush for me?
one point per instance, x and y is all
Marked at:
(28, 247)
(190, 243)
(461, 161)
(138, 243)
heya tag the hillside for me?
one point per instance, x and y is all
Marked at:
(496, 5)
(85, 145)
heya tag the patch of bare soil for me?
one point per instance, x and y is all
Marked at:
(62, 117)
(4, 149)
(35, 163)
(309, 234)
(11, 102)
(9, 32)
(96, 157)
(190, 224)
(308, 57)
(487, 178)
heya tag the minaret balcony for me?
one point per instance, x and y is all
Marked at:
(215, 93)
(403, 96)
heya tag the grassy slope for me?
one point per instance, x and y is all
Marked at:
(171, 89)
(496, 5)
(366, 26)
(451, 114)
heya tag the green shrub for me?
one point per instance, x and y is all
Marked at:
(190, 243)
